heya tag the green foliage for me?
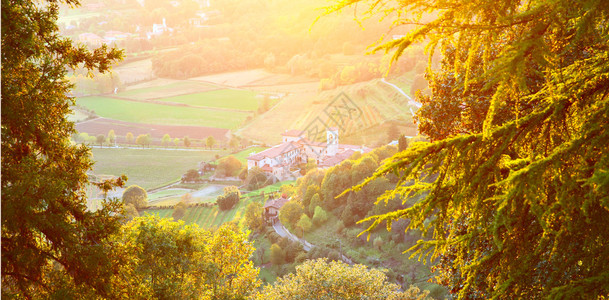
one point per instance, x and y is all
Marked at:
(179, 210)
(51, 244)
(315, 202)
(254, 216)
(143, 140)
(319, 279)
(306, 199)
(131, 212)
(304, 223)
(320, 216)
(136, 196)
(100, 139)
(191, 175)
(515, 208)
(229, 199)
(129, 138)
(166, 140)
(111, 137)
(228, 166)
(210, 141)
(378, 242)
(277, 255)
(164, 259)
(256, 178)
(290, 213)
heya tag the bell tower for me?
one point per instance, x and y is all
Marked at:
(332, 141)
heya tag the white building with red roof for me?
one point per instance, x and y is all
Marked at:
(282, 161)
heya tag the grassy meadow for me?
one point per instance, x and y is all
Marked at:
(139, 112)
(242, 155)
(148, 168)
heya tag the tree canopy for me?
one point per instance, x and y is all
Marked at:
(46, 227)
(319, 279)
(515, 183)
(164, 259)
(136, 196)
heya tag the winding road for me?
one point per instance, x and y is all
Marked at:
(284, 232)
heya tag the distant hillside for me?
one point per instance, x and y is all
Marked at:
(374, 107)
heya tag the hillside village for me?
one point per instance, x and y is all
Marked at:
(282, 160)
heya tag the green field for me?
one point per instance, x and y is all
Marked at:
(167, 193)
(138, 112)
(148, 168)
(229, 99)
(241, 156)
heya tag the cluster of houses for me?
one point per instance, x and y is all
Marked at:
(283, 160)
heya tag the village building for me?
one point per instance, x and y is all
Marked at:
(271, 209)
(282, 160)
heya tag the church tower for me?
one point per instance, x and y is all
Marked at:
(332, 141)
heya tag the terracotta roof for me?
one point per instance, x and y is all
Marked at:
(276, 203)
(336, 159)
(275, 151)
(293, 132)
(267, 168)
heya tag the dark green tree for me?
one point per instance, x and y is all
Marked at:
(229, 198)
(517, 207)
(46, 227)
(100, 138)
(136, 196)
(179, 210)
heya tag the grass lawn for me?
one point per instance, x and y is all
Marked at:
(241, 156)
(167, 193)
(147, 168)
(150, 113)
(230, 99)
(269, 188)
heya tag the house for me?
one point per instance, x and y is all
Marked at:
(283, 160)
(271, 209)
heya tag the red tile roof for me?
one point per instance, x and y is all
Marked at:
(336, 159)
(276, 203)
(267, 168)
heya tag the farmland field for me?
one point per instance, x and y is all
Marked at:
(170, 89)
(148, 168)
(121, 128)
(252, 78)
(139, 112)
